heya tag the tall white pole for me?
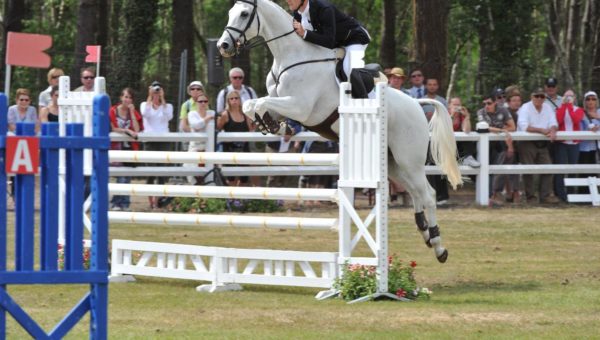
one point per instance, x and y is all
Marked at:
(7, 82)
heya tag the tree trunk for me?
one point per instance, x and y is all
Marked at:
(135, 29)
(431, 38)
(387, 53)
(14, 13)
(87, 30)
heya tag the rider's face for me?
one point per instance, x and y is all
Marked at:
(293, 4)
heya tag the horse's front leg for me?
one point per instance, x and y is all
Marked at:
(291, 107)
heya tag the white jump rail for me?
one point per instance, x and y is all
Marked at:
(591, 183)
(363, 163)
(222, 266)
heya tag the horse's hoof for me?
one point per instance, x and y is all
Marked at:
(443, 257)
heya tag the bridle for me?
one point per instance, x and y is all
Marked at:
(246, 44)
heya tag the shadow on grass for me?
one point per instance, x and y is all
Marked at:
(464, 287)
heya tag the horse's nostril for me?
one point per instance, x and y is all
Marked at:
(224, 45)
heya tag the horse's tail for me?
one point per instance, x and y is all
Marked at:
(443, 144)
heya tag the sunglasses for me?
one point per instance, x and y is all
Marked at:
(237, 77)
(195, 89)
(24, 99)
(590, 98)
(488, 103)
(550, 86)
(540, 96)
(88, 77)
(203, 101)
(416, 75)
(500, 97)
(55, 77)
(236, 98)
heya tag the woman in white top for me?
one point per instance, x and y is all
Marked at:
(156, 113)
(197, 122)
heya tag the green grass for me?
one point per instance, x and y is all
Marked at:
(512, 273)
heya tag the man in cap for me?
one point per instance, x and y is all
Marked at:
(551, 91)
(236, 78)
(396, 79)
(499, 96)
(538, 117)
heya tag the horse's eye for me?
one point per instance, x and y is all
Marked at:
(244, 14)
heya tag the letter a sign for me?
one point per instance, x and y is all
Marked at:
(22, 155)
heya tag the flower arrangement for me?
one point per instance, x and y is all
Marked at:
(360, 280)
(61, 257)
(218, 205)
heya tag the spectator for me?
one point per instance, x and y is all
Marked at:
(537, 117)
(500, 121)
(124, 118)
(194, 90)
(588, 150)
(22, 111)
(396, 79)
(500, 97)
(417, 82)
(551, 91)
(232, 119)
(461, 122)
(568, 117)
(236, 78)
(438, 182)
(198, 121)
(431, 88)
(156, 113)
(514, 102)
(49, 112)
(44, 97)
(88, 74)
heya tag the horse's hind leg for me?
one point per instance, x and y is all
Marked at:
(423, 196)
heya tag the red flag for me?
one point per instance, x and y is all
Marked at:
(25, 49)
(93, 52)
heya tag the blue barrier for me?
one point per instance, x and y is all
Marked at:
(47, 271)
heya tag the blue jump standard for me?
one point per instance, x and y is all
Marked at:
(25, 272)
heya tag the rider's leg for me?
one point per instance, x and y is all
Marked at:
(349, 50)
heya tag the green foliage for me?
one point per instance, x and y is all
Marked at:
(199, 205)
(361, 280)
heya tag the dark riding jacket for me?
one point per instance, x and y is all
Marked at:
(332, 28)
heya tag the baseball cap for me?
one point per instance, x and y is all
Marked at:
(590, 94)
(196, 83)
(497, 92)
(538, 90)
(551, 82)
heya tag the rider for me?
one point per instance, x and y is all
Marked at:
(321, 23)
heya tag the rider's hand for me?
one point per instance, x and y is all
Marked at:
(299, 29)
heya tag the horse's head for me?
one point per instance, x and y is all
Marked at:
(242, 26)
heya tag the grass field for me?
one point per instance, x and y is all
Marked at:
(512, 273)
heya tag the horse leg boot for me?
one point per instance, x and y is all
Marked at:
(436, 241)
(423, 227)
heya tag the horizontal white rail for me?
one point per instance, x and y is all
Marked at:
(290, 194)
(224, 266)
(170, 171)
(221, 137)
(234, 221)
(238, 158)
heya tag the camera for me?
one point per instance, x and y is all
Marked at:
(155, 86)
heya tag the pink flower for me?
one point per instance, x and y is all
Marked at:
(400, 293)
(390, 259)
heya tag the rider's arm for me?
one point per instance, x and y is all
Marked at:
(326, 36)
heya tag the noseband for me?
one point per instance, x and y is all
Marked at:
(246, 45)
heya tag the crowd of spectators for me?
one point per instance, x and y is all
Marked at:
(506, 110)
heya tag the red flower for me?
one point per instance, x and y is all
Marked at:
(401, 293)
(413, 264)
(390, 259)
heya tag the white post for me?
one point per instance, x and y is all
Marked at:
(483, 179)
